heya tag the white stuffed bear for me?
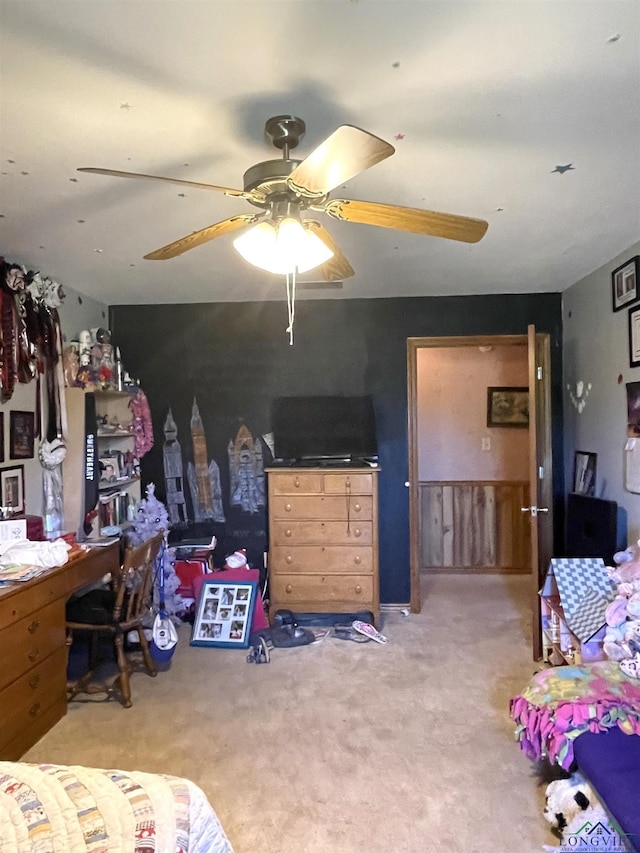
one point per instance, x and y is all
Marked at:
(565, 798)
(584, 826)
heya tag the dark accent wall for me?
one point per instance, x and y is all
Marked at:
(235, 358)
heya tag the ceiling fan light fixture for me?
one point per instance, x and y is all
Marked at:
(282, 247)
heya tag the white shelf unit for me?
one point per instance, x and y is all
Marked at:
(114, 406)
(115, 438)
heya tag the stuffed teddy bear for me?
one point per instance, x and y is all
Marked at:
(565, 798)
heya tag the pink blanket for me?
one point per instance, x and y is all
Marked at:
(560, 703)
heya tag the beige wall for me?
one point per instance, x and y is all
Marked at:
(452, 414)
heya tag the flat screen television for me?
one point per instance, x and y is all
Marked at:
(324, 428)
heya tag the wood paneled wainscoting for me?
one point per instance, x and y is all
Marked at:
(474, 526)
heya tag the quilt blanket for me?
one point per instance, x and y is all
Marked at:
(560, 703)
(49, 808)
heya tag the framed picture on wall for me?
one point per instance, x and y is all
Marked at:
(584, 473)
(624, 283)
(507, 407)
(21, 434)
(634, 337)
(1, 436)
(12, 486)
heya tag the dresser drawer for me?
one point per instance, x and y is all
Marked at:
(321, 533)
(322, 589)
(31, 734)
(344, 484)
(306, 506)
(26, 600)
(296, 484)
(31, 640)
(331, 559)
(29, 697)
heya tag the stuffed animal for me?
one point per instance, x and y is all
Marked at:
(583, 826)
(631, 666)
(565, 798)
(627, 568)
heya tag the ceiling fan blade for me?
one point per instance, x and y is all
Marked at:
(114, 173)
(171, 250)
(337, 267)
(417, 221)
(344, 154)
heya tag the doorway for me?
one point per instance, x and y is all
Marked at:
(469, 477)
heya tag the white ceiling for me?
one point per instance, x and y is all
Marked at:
(481, 99)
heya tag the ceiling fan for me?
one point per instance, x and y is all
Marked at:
(284, 189)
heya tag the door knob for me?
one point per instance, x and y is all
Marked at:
(534, 510)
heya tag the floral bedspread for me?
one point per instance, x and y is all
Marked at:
(49, 808)
(560, 703)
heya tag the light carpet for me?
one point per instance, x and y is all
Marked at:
(342, 747)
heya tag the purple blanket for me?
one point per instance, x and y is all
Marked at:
(561, 703)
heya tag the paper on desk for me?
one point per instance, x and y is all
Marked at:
(11, 573)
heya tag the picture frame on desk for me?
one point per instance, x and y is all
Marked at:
(12, 490)
(224, 613)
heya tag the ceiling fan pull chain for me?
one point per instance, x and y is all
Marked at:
(291, 303)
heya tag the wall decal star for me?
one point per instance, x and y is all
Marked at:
(125, 106)
(399, 136)
(562, 169)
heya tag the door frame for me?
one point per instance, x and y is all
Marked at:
(413, 345)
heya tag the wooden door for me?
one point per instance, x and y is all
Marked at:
(540, 473)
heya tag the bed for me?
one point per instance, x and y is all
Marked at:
(52, 808)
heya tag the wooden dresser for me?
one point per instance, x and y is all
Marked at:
(323, 540)
(33, 654)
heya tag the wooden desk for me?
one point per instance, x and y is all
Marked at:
(33, 653)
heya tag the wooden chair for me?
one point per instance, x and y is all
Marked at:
(108, 614)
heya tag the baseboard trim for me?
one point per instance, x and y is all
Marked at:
(394, 608)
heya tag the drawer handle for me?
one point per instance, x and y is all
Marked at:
(34, 626)
(348, 483)
(287, 533)
(288, 588)
(357, 507)
(287, 507)
(358, 589)
(357, 560)
(34, 710)
(296, 482)
(34, 681)
(357, 532)
(33, 654)
(289, 559)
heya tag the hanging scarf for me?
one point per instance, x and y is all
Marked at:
(142, 426)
